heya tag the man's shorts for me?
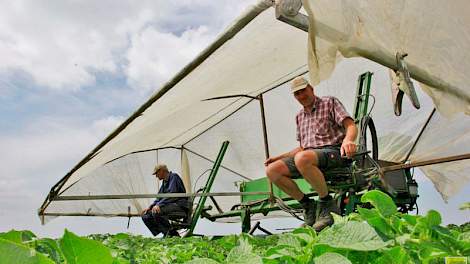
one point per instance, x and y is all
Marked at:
(328, 158)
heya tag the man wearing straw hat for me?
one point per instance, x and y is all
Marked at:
(156, 217)
(326, 133)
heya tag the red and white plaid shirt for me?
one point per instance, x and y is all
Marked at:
(323, 126)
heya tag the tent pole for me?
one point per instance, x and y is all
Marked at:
(419, 135)
(266, 144)
(425, 163)
(150, 195)
(212, 161)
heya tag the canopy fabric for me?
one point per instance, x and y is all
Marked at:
(436, 37)
(434, 34)
(180, 128)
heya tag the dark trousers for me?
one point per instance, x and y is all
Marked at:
(159, 222)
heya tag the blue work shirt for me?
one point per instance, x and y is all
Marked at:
(174, 184)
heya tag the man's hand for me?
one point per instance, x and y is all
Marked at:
(268, 161)
(348, 148)
(144, 211)
(156, 209)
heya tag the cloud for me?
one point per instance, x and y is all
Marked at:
(154, 56)
(64, 44)
(34, 159)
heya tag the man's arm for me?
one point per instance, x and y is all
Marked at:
(285, 155)
(348, 147)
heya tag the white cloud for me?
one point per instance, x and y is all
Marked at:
(44, 151)
(63, 44)
(155, 56)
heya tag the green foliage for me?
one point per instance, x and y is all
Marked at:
(331, 258)
(18, 236)
(352, 236)
(377, 234)
(465, 206)
(78, 250)
(11, 252)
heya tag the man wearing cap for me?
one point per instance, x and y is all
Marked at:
(326, 133)
(156, 216)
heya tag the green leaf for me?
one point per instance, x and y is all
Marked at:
(381, 201)
(18, 236)
(78, 250)
(202, 261)
(11, 252)
(243, 253)
(394, 255)
(352, 235)
(465, 236)
(280, 251)
(375, 220)
(305, 234)
(410, 219)
(50, 248)
(433, 218)
(331, 258)
(465, 206)
(339, 219)
(289, 239)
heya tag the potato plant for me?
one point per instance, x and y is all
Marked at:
(376, 234)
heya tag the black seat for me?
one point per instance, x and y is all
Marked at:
(182, 221)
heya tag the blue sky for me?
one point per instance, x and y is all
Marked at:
(72, 71)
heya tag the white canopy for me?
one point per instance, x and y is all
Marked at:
(258, 55)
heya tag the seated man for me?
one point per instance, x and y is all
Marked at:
(326, 132)
(156, 216)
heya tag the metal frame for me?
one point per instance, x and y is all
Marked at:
(210, 181)
(289, 14)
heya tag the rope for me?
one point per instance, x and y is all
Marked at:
(286, 208)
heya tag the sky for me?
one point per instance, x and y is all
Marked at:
(72, 71)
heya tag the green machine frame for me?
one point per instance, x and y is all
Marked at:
(346, 183)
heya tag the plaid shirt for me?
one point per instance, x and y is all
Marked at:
(323, 125)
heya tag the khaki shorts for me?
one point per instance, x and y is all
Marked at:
(328, 158)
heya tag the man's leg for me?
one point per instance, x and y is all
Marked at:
(170, 211)
(149, 221)
(308, 162)
(159, 222)
(280, 173)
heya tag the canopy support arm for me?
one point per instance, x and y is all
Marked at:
(425, 163)
(263, 123)
(419, 135)
(150, 195)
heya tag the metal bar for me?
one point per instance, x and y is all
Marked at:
(158, 195)
(218, 122)
(230, 96)
(265, 140)
(246, 220)
(141, 151)
(210, 181)
(425, 163)
(264, 230)
(268, 90)
(419, 135)
(91, 214)
(206, 158)
(216, 205)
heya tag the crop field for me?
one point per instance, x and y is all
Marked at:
(377, 234)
